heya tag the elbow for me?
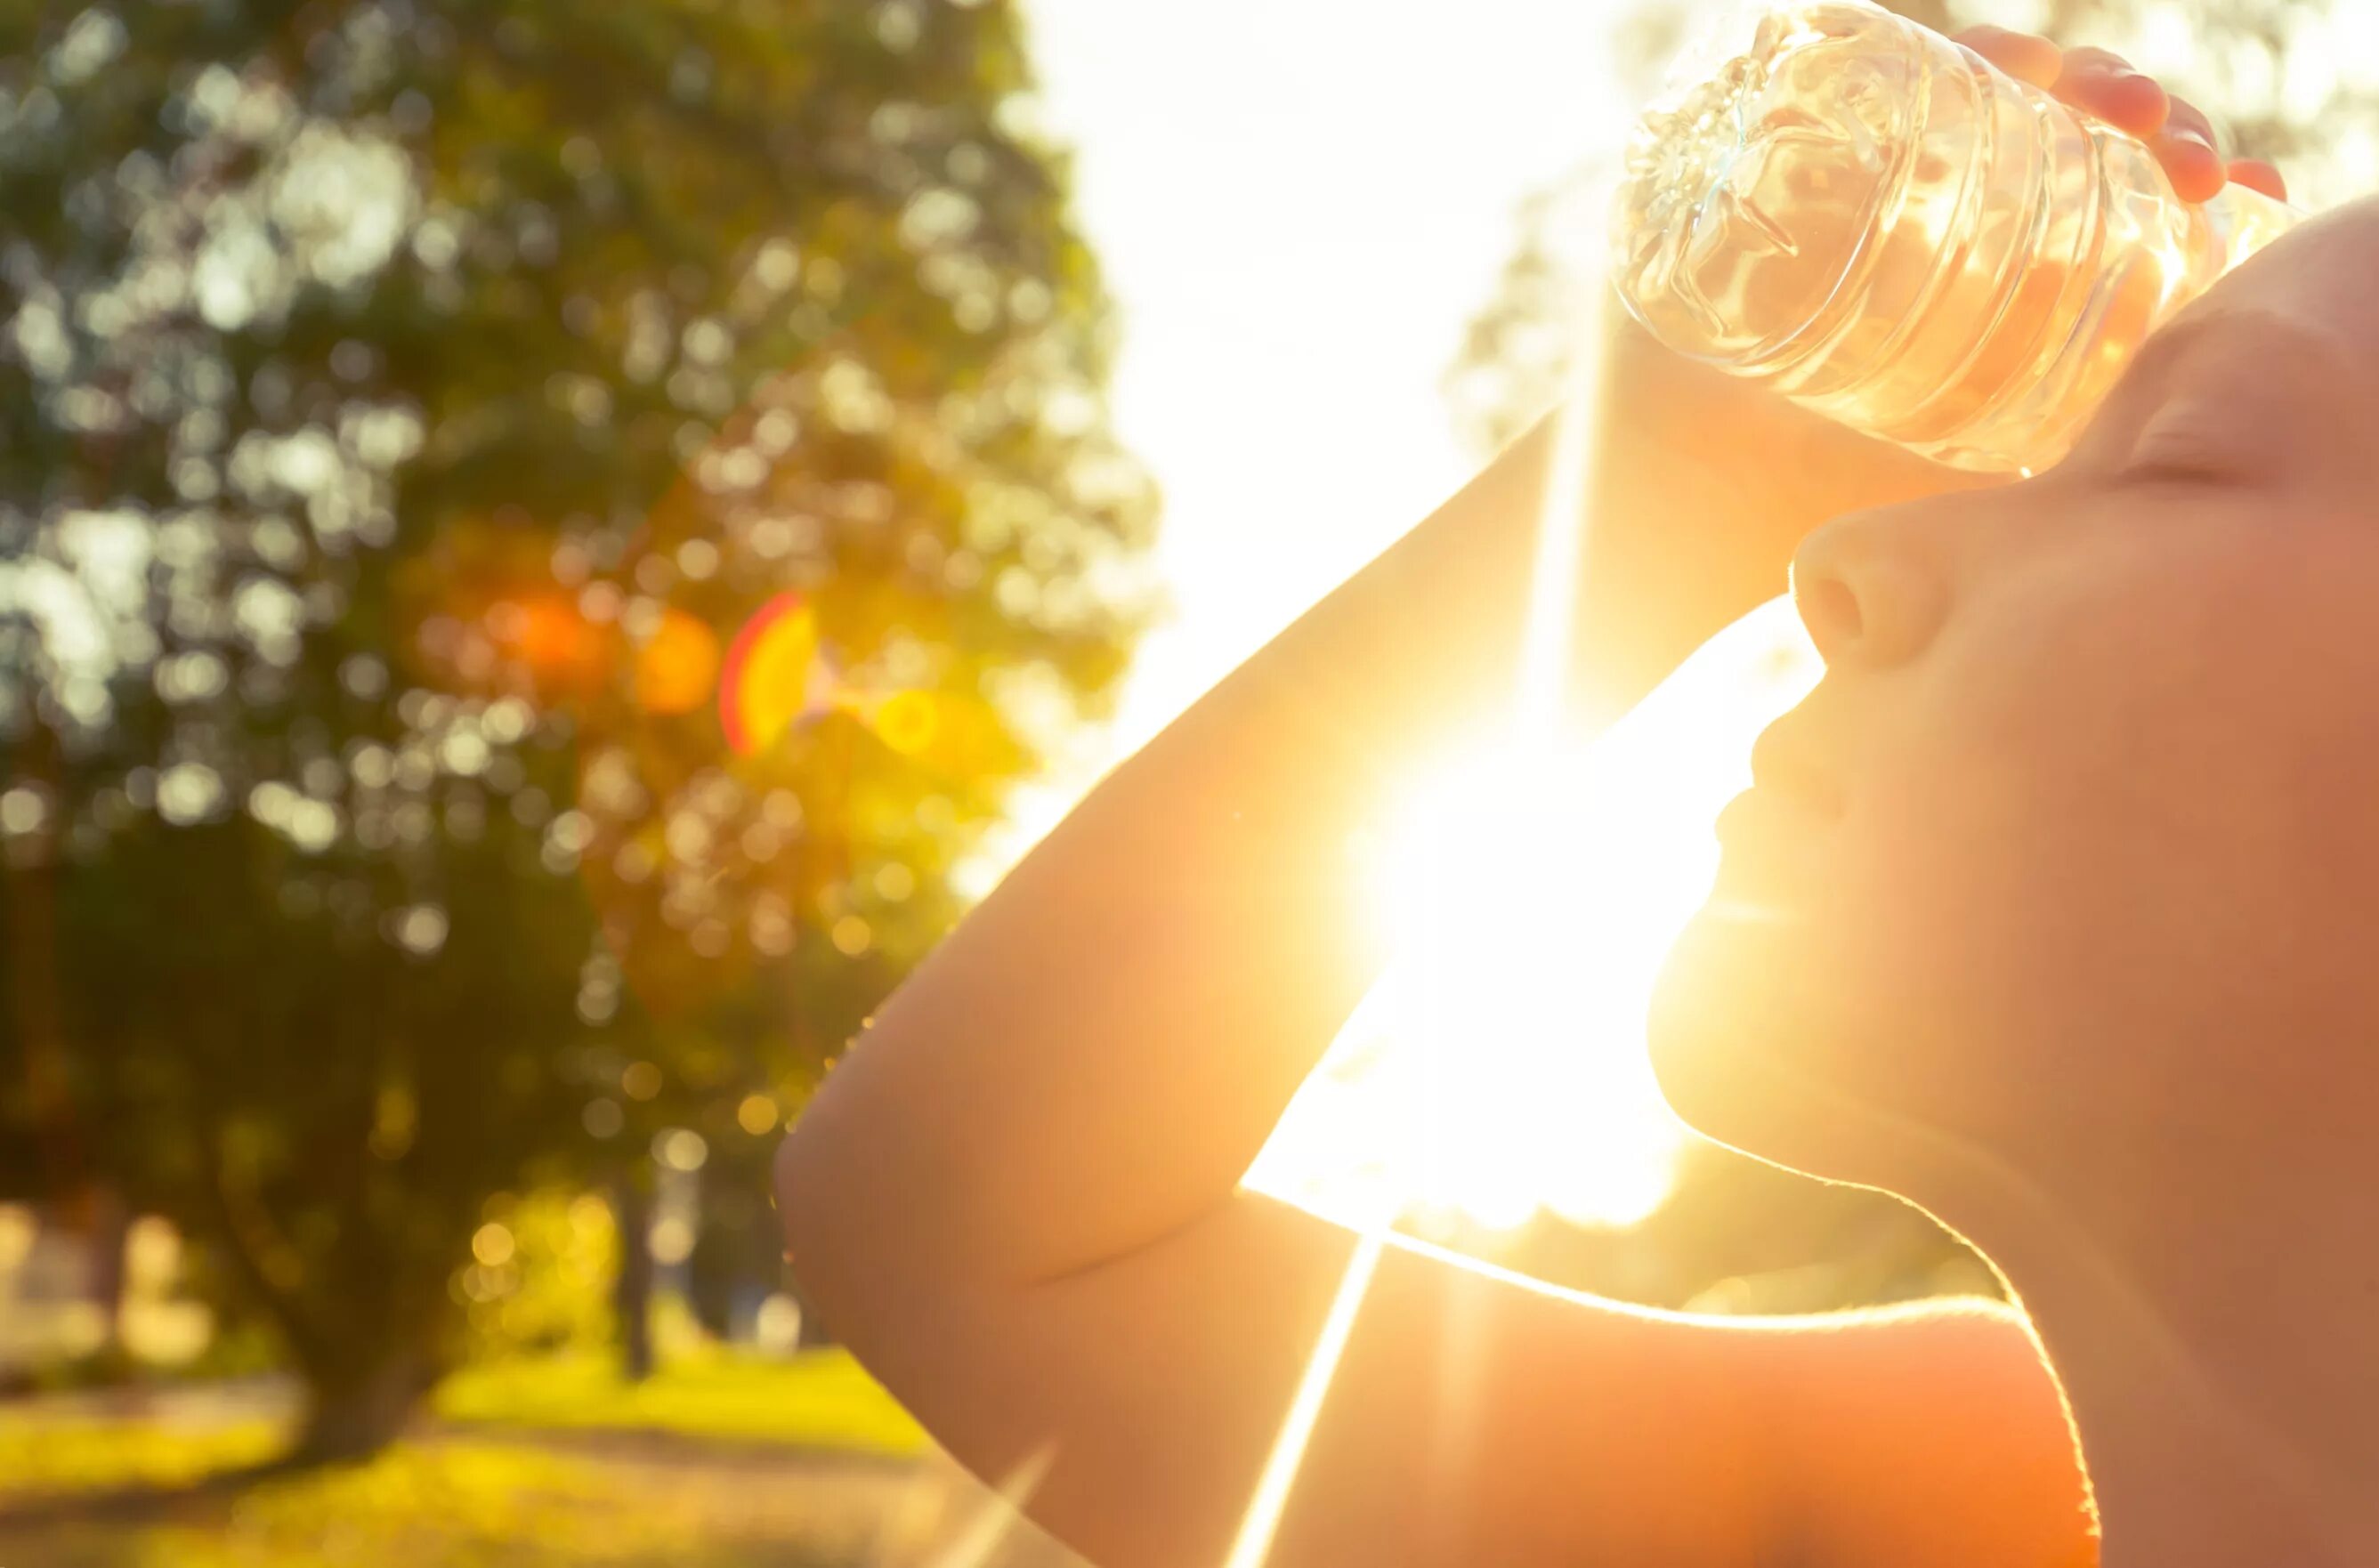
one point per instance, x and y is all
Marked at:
(867, 1209)
(807, 1217)
(852, 1242)
(803, 1178)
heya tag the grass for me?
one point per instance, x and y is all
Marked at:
(463, 1504)
(484, 1487)
(49, 1455)
(820, 1399)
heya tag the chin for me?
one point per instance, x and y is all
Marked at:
(1740, 1039)
(1786, 1039)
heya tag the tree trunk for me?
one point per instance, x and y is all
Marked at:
(111, 1227)
(632, 1287)
(354, 1412)
(31, 884)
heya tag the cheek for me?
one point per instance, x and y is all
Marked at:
(2139, 794)
(2121, 816)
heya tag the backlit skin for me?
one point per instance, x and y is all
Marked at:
(2054, 908)
(2046, 909)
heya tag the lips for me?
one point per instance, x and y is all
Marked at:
(1783, 763)
(1774, 834)
(1758, 816)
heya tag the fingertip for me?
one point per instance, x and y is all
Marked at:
(2124, 99)
(2259, 175)
(2192, 164)
(2027, 57)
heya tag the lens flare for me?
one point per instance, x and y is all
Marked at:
(997, 1516)
(1560, 556)
(906, 721)
(774, 676)
(1261, 1523)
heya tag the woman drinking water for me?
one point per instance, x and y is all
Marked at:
(2052, 911)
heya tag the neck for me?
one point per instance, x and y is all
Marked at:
(2215, 1340)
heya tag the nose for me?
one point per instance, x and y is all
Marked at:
(1871, 587)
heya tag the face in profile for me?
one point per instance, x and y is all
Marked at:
(2072, 862)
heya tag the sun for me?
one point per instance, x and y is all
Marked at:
(1531, 890)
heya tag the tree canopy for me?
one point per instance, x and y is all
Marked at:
(411, 412)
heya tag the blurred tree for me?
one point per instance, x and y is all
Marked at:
(402, 405)
(2292, 80)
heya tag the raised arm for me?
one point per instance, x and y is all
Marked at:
(1018, 1200)
(1092, 1060)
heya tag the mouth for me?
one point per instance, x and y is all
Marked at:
(1758, 818)
(1774, 837)
(1784, 764)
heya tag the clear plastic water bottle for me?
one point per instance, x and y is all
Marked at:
(1876, 223)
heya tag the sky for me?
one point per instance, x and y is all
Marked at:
(1298, 205)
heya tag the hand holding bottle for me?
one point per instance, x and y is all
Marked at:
(1706, 481)
(1954, 249)
(2102, 83)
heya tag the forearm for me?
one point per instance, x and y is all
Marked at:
(1094, 1057)
(1097, 1052)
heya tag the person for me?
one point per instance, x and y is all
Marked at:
(2050, 910)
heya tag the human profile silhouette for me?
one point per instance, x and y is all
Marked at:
(2051, 911)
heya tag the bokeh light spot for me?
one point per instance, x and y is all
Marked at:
(492, 1244)
(676, 665)
(906, 721)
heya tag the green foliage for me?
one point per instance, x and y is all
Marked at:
(400, 401)
(553, 1254)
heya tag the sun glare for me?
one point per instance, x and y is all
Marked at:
(1531, 887)
(1498, 1069)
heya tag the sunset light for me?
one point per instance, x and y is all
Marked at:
(1530, 883)
(1498, 1069)
(890, 783)
(1529, 889)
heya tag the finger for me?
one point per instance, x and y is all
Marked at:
(2100, 82)
(2186, 148)
(2257, 175)
(2184, 118)
(2027, 57)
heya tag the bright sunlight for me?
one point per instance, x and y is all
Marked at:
(1533, 887)
(1498, 1069)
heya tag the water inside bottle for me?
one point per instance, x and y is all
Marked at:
(1889, 231)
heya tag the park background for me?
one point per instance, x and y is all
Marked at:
(414, 419)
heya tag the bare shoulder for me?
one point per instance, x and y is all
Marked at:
(1917, 1432)
(1473, 1416)
(1930, 1433)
